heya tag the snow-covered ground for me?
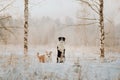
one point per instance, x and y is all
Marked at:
(81, 64)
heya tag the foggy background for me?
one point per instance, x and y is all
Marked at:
(49, 19)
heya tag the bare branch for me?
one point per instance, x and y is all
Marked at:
(89, 6)
(108, 20)
(96, 6)
(87, 24)
(82, 24)
(5, 17)
(6, 6)
(88, 18)
(8, 30)
(76, 25)
(96, 2)
(13, 27)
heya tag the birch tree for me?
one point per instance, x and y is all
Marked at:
(97, 6)
(25, 27)
(101, 22)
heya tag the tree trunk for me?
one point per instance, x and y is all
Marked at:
(25, 27)
(101, 22)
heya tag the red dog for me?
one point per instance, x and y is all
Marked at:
(47, 57)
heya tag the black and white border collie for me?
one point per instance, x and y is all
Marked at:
(61, 50)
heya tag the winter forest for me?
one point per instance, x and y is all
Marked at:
(59, 40)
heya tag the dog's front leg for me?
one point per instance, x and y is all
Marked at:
(58, 59)
(63, 59)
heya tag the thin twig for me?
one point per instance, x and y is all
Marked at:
(96, 6)
(89, 6)
(82, 24)
(8, 30)
(96, 2)
(6, 6)
(86, 24)
(14, 27)
(88, 18)
(5, 17)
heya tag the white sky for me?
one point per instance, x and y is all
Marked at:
(52, 8)
(55, 8)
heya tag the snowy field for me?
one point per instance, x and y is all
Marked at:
(81, 64)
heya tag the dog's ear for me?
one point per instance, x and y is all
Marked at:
(37, 53)
(63, 38)
(50, 52)
(59, 38)
(46, 52)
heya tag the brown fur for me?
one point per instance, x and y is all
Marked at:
(47, 57)
(41, 58)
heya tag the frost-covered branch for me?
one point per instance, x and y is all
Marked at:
(5, 28)
(88, 18)
(5, 18)
(90, 5)
(6, 6)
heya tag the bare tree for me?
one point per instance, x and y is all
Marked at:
(101, 22)
(97, 6)
(4, 19)
(25, 27)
